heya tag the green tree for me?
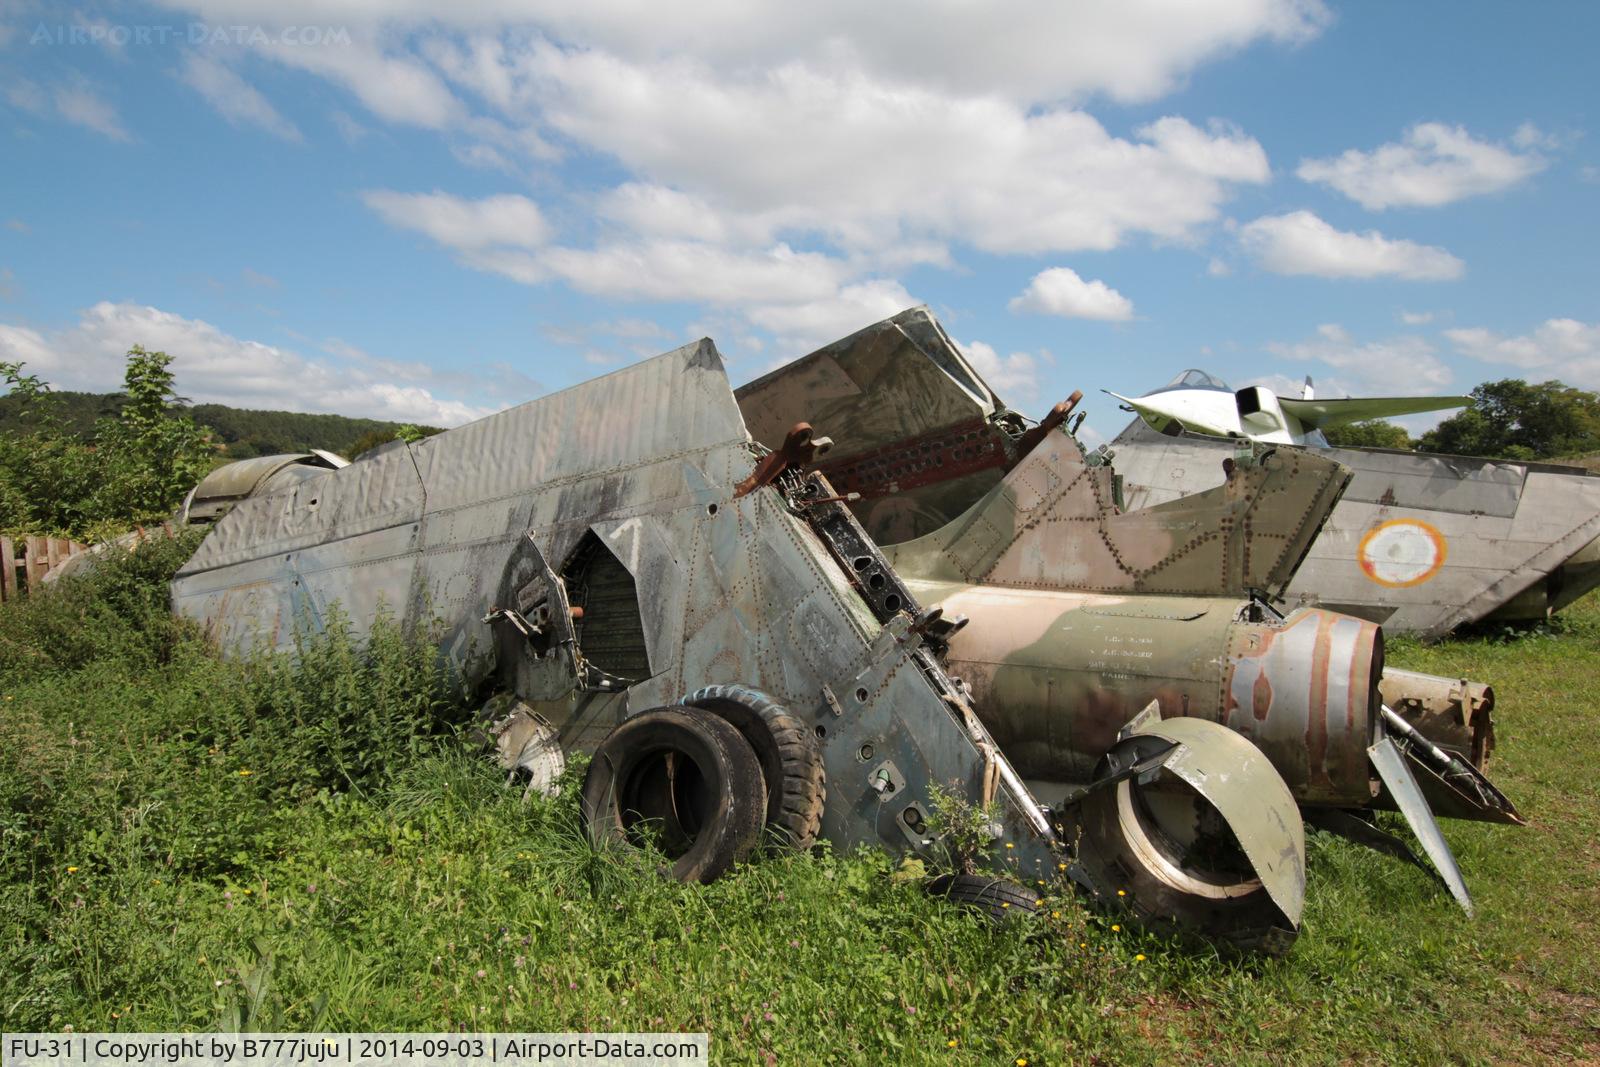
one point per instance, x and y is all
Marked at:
(137, 468)
(47, 473)
(153, 450)
(1511, 419)
(1371, 433)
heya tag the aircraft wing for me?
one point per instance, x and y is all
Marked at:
(1158, 417)
(1320, 414)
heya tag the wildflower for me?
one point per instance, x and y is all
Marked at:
(1122, 892)
(1022, 1061)
(911, 1009)
(794, 944)
(1116, 929)
(572, 985)
(244, 774)
(1055, 915)
(482, 973)
(247, 892)
(1005, 904)
(767, 1015)
(952, 1043)
(1061, 866)
(312, 888)
(1010, 845)
(1139, 956)
(227, 894)
(1083, 944)
(72, 870)
(217, 982)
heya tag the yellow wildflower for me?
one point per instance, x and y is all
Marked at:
(952, 1043)
(72, 870)
(244, 774)
(1139, 957)
(1116, 929)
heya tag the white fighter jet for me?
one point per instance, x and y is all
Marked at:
(1201, 403)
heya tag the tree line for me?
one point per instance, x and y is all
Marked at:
(1507, 419)
(87, 466)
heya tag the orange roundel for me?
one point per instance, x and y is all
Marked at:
(1401, 552)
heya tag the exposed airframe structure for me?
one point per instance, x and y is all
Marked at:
(1418, 543)
(614, 547)
(604, 550)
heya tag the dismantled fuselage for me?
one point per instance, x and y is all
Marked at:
(1084, 610)
(602, 553)
(637, 578)
(1419, 543)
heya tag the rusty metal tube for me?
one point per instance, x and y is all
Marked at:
(1055, 675)
(1453, 713)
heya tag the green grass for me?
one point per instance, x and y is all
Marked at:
(370, 874)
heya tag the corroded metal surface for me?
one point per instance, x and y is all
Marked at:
(589, 553)
(1419, 543)
(1053, 523)
(918, 435)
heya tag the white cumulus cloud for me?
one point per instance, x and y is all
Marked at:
(1433, 164)
(508, 220)
(213, 365)
(1060, 291)
(1564, 348)
(1015, 376)
(234, 98)
(1301, 243)
(1405, 365)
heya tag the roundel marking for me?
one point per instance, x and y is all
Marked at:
(1401, 552)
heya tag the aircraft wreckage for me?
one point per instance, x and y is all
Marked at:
(1419, 543)
(633, 574)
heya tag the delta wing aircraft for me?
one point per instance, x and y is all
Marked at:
(1200, 403)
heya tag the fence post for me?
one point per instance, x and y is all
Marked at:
(8, 570)
(38, 561)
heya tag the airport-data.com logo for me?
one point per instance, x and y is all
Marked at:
(120, 35)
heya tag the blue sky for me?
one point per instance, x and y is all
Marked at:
(380, 209)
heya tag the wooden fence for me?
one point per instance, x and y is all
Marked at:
(26, 560)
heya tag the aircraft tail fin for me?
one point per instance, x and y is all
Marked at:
(1055, 520)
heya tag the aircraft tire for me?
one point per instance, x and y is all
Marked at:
(996, 899)
(683, 778)
(791, 762)
(1128, 850)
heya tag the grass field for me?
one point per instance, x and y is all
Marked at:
(190, 844)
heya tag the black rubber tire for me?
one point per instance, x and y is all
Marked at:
(791, 762)
(687, 774)
(996, 899)
(1248, 920)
